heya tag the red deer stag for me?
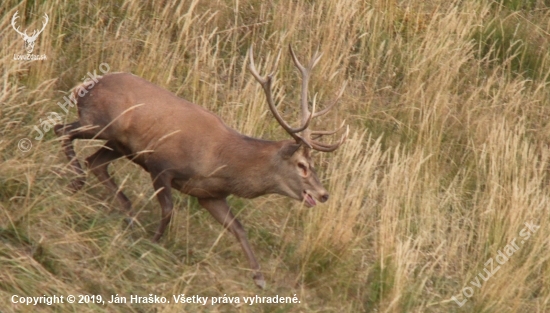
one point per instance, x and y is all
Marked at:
(186, 147)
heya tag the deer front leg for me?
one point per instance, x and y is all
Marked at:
(222, 213)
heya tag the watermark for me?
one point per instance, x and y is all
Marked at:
(50, 119)
(30, 57)
(29, 41)
(178, 299)
(501, 258)
(25, 145)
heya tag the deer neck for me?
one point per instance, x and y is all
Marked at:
(252, 169)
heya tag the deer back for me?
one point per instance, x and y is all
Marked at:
(143, 117)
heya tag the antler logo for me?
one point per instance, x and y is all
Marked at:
(29, 40)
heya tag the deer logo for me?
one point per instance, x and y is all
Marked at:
(29, 40)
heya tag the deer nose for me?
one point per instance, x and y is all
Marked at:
(324, 198)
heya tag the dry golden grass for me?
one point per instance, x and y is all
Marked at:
(446, 162)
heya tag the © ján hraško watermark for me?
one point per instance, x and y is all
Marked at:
(50, 119)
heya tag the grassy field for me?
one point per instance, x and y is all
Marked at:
(439, 198)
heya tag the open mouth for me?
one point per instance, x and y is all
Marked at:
(310, 202)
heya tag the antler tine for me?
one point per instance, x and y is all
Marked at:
(266, 85)
(313, 62)
(253, 70)
(315, 59)
(320, 133)
(334, 102)
(329, 148)
(306, 115)
(295, 60)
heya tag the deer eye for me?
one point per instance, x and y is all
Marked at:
(303, 168)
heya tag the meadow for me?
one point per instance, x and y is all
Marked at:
(439, 197)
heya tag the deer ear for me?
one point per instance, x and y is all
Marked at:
(288, 150)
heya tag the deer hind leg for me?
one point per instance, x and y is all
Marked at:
(220, 210)
(99, 162)
(72, 131)
(163, 188)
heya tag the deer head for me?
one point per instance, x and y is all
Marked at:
(299, 179)
(29, 40)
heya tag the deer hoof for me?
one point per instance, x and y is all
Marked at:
(259, 281)
(75, 185)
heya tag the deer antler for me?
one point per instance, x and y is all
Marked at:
(306, 116)
(266, 85)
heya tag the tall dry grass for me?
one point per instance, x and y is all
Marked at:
(446, 160)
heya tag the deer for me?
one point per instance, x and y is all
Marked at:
(29, 40)
(184, 146)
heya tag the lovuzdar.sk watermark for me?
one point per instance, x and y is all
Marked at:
(29, 57)
(29, 40)
(493, 265)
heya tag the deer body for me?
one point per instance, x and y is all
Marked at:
(178, 136)
(185, 147)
